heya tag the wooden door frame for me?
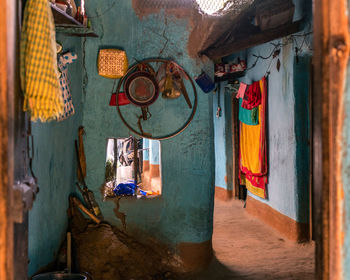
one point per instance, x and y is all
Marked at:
(7, 70)
(331, 54)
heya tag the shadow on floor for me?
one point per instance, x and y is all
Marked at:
(218, 271)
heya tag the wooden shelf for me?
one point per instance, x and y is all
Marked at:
(229, 76)
(66, 24)
(76, 31)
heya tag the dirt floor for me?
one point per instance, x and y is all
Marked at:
(245, 248)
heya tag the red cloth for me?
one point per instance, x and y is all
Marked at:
(252, 96)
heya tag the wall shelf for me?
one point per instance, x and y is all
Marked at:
(229, 77)
(66, 24)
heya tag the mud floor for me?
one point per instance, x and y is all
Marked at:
(245, 248)
(109, 254)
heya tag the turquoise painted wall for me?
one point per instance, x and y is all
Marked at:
(223, 139)
(184, 211)
(302, 82)
(54, 165)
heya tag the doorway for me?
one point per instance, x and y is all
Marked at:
(330, 61)
(283, 203)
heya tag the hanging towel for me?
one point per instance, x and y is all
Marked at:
(252, 96)
(38, 62)
(63, 62)
(249, 117)
(250, 148)
(252, 152)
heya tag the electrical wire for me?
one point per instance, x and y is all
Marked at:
(292, 39)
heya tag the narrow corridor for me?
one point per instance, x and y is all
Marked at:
(245, 248)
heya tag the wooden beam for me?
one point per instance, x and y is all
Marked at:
(253, 40)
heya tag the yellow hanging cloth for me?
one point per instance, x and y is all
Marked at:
(39, 74)
(250, 146)
(253, 165)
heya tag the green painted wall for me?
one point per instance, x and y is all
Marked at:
(184, 211)
(54, 165)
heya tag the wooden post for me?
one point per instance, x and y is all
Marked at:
(7, 66)
(331, 45)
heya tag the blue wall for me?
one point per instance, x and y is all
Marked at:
(54, 165)
(287, 129)
(286, 154)
(284, 81)
(184, 211)
(288, 122)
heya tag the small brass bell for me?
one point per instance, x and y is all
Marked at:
(171, 90)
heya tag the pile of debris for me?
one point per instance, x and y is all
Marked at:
(107, 253)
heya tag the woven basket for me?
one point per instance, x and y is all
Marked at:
(112, 63)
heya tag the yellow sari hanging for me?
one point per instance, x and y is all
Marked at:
(253, 161)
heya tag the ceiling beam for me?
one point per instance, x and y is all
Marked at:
(252, 40)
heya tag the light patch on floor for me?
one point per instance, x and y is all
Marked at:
(245, 248)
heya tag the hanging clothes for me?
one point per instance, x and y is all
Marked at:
(252, 152)
(247, 116)
(63, 62)
(250, 117)
(252, 96)
(241, 90)
(38, 62)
